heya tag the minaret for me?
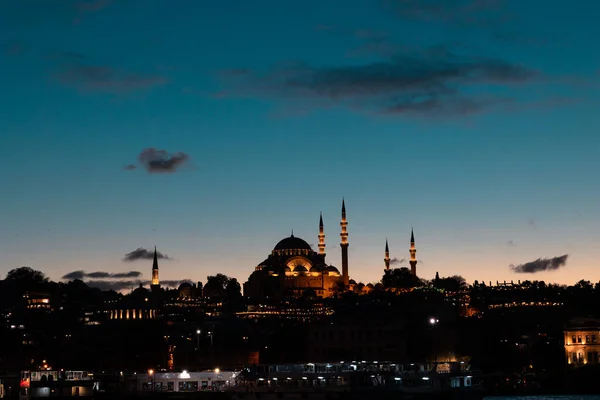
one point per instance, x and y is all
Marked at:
(321, 237)
(387, 256)
(344, 244)
(413, 254)
(155, 282)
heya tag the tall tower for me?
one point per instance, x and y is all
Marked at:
(413, 254)
(155, 282)
(344, 244)
(321, 237)
(387, 256)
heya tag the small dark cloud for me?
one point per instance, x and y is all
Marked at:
(395, 261)
(129, 167)
(161, 161)
(511, 243)
(532, 222)
(143, 254)
(81, 275)
(541, 264)
(127, 285)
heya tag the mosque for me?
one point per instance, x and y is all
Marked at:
(293, 267)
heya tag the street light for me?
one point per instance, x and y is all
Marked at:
(151, 373)
(433, 321)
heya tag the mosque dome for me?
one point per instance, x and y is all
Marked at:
(185, 285)
(292, 243)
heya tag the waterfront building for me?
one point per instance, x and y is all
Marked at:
(582, 342)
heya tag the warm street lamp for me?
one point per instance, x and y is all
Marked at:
(151, 374)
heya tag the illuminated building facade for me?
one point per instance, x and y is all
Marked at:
(293, 268)
(582, 342)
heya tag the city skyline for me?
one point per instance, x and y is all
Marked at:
(214, 132)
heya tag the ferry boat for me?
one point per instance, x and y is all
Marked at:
(354, 376)
(49, 383)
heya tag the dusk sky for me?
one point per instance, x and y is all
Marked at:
(211, 129)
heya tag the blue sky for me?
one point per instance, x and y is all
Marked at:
(212, 129)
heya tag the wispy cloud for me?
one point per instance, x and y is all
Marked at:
(144, 254)
(161, 161)
(91, 5)
(81, 275)
(541, 264)
(107, 79)
(13, 48)
(511, 243)
(433, 80)
(395, 261)
(126, 285)
(457, 12)
(85, 7)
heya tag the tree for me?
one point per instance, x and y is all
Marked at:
(25, 279)
(220, 285)
(400, 278)
(26, 275)
(455, 283)
(233, 289)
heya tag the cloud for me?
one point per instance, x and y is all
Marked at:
(541, 264)
(161, 161)
(126, 285)
(143, 254)
(81, 275)
(91, 5)
(13, 48)
(511, 244)
(106, 79)
(129, 167)
(462, 12)
(435, 80)
(532, 222)
(395, 261)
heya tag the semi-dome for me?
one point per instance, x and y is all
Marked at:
(331, 268)
(300, 268)
(292, 243)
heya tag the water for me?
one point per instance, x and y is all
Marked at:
(562, 397)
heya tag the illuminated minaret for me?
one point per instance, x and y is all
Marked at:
(344, 244)
(155, 282)
(321, 237)
(387, 256)
(413, 254)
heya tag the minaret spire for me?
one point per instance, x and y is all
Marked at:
(387, 255)
(155, 281)
(344, 244)
(413, 253)
(321, 236)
